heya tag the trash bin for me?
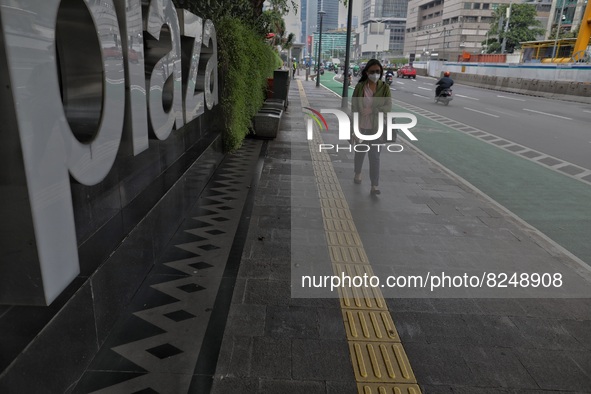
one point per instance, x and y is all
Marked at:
(281, 82)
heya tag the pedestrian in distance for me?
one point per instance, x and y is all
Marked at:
(371, 99)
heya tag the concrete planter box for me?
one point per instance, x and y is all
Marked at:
(266, 124)
(276, 101)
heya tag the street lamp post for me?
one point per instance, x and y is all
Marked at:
(428, 43)
(347, 55)
(321, 13)
(558, 29)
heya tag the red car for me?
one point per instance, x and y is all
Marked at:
(406, 71)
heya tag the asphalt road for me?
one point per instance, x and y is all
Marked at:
(557, 128)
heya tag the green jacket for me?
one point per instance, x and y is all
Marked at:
(382, 101)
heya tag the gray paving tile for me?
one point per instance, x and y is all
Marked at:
(439, 365)
(483, 390)
(234, 385)
(291, 322)
(456, 306)
(321, 360)
(265, 269)
(545, 333)
(554, 370)
(291, 387)
(502, 307)
(235, 357)
(246, 320)
(583, 361)
(409, 305)
(551, 308)
(336, 387)
(580, 330)
(267, 292)
(431, 389)
(497, 367)
(271, 358)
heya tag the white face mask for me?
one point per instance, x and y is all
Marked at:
(374, 77)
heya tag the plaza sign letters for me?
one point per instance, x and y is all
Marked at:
(78, 78)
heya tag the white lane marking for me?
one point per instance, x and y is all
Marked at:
(545, 113)
(402, 83)
(418, 95)
(471, 98)
(427, 83)
(480, 112)
(586, 111)
(511, 98)
(500, 112)
(420, 87)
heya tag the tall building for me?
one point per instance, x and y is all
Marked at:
(303, 19)
(333, 21)
(293, 23)
(543, 8)
(382, 29)
(334, 45)
(443, 29)
(312, 22)
(330, 21)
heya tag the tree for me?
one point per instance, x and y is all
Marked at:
(279, 5)
(564, 33)
(523, 26)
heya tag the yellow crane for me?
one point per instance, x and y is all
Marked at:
(565, 50)
(584, 35)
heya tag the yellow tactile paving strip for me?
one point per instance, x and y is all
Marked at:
(379, 360)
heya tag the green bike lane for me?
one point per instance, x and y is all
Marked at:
(555, 204)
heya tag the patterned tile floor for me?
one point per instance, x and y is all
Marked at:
(154, 347)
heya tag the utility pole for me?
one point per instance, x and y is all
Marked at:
(503, 46)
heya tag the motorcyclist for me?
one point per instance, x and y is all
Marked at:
(389, 76)
(444, 83)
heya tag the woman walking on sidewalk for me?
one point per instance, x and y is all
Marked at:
(371, 99)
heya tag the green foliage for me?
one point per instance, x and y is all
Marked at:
(218, 9)
(245, 63)
(282, 6)
(492, 45)
(523, 26)
(564, 33)
(399, 60)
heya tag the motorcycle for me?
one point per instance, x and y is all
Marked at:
(444, 97)
(389, 79)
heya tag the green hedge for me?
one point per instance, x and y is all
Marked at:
(245, 63)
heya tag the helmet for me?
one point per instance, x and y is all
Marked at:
(446, 74)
